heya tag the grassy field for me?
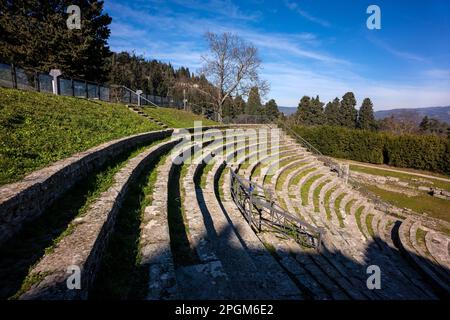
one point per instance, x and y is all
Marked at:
(407, 176)
(422, 203)
(177, 118)
(37, 129)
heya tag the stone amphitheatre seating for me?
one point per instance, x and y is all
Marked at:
(229, 258)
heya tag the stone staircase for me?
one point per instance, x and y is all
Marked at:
(138, 110)
(224, 257)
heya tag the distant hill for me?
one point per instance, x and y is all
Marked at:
(287, 110)
(440, 113)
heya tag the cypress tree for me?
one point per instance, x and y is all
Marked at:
(302, 113)
(332, 112)
(366, 118)
(271, 109)
(254, 102)
(310, 111)
(347, 111)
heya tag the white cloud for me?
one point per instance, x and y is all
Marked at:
(296, 8)
(294, 64)
(396, 52)
(290, 83)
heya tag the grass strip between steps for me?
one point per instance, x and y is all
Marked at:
(369, 220)
(326, 202)
(348, 206)
(316, 195)
(358, 220)
(41, 236)
(304, 191)
(337, 209)
(121, 275)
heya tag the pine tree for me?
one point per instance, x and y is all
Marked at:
(310, 111)
(317, 113)
(347, 112)
(271, 109)
(366, 118)
(35, 34)
(302, 115)
(254, 102)
(332, 112)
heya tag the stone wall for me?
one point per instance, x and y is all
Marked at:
(24, 201)
(85, 245)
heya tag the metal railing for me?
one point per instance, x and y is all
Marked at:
(251, 199)
(31, 79)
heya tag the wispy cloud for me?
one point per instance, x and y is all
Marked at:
(439, 74)
(220, 7)
(290, 82)
(295, 7)
(396, 52)
(298, 45)
(294, 63)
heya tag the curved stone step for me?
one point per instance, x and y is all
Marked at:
(321, 182)
(210, 278)
(288, 167)
(399, 265)
(271, 169)
(240, 249)
(439, 247)
(83, 247)
(154, 241)
(406, 248)
(301, 184)
(422, 250)
(262, 161)
(24, 201)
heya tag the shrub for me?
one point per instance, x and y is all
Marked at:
(425, 152)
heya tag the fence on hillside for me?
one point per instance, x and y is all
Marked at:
(30, 79)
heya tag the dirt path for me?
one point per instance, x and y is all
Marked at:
(398, 171)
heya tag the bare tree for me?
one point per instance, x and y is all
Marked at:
(232, 66)
(403, 121)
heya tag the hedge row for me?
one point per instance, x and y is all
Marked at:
(425, 152)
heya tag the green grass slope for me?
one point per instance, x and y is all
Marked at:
(37, 129)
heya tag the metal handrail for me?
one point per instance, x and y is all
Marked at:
(291, 225)
(139, 95)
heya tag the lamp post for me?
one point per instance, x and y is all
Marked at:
(55, 73)
(139, 92)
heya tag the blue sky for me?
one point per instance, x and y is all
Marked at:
(308, 47)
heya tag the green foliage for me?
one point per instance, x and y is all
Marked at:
(271, 109)
(424, 152)
(310, 111)
(425, 124)
(347, 111)
(254, 102)
(35, 34)
(151, 76)
(366, 118)
(332, 112)
(434, 207)
(37, 129)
